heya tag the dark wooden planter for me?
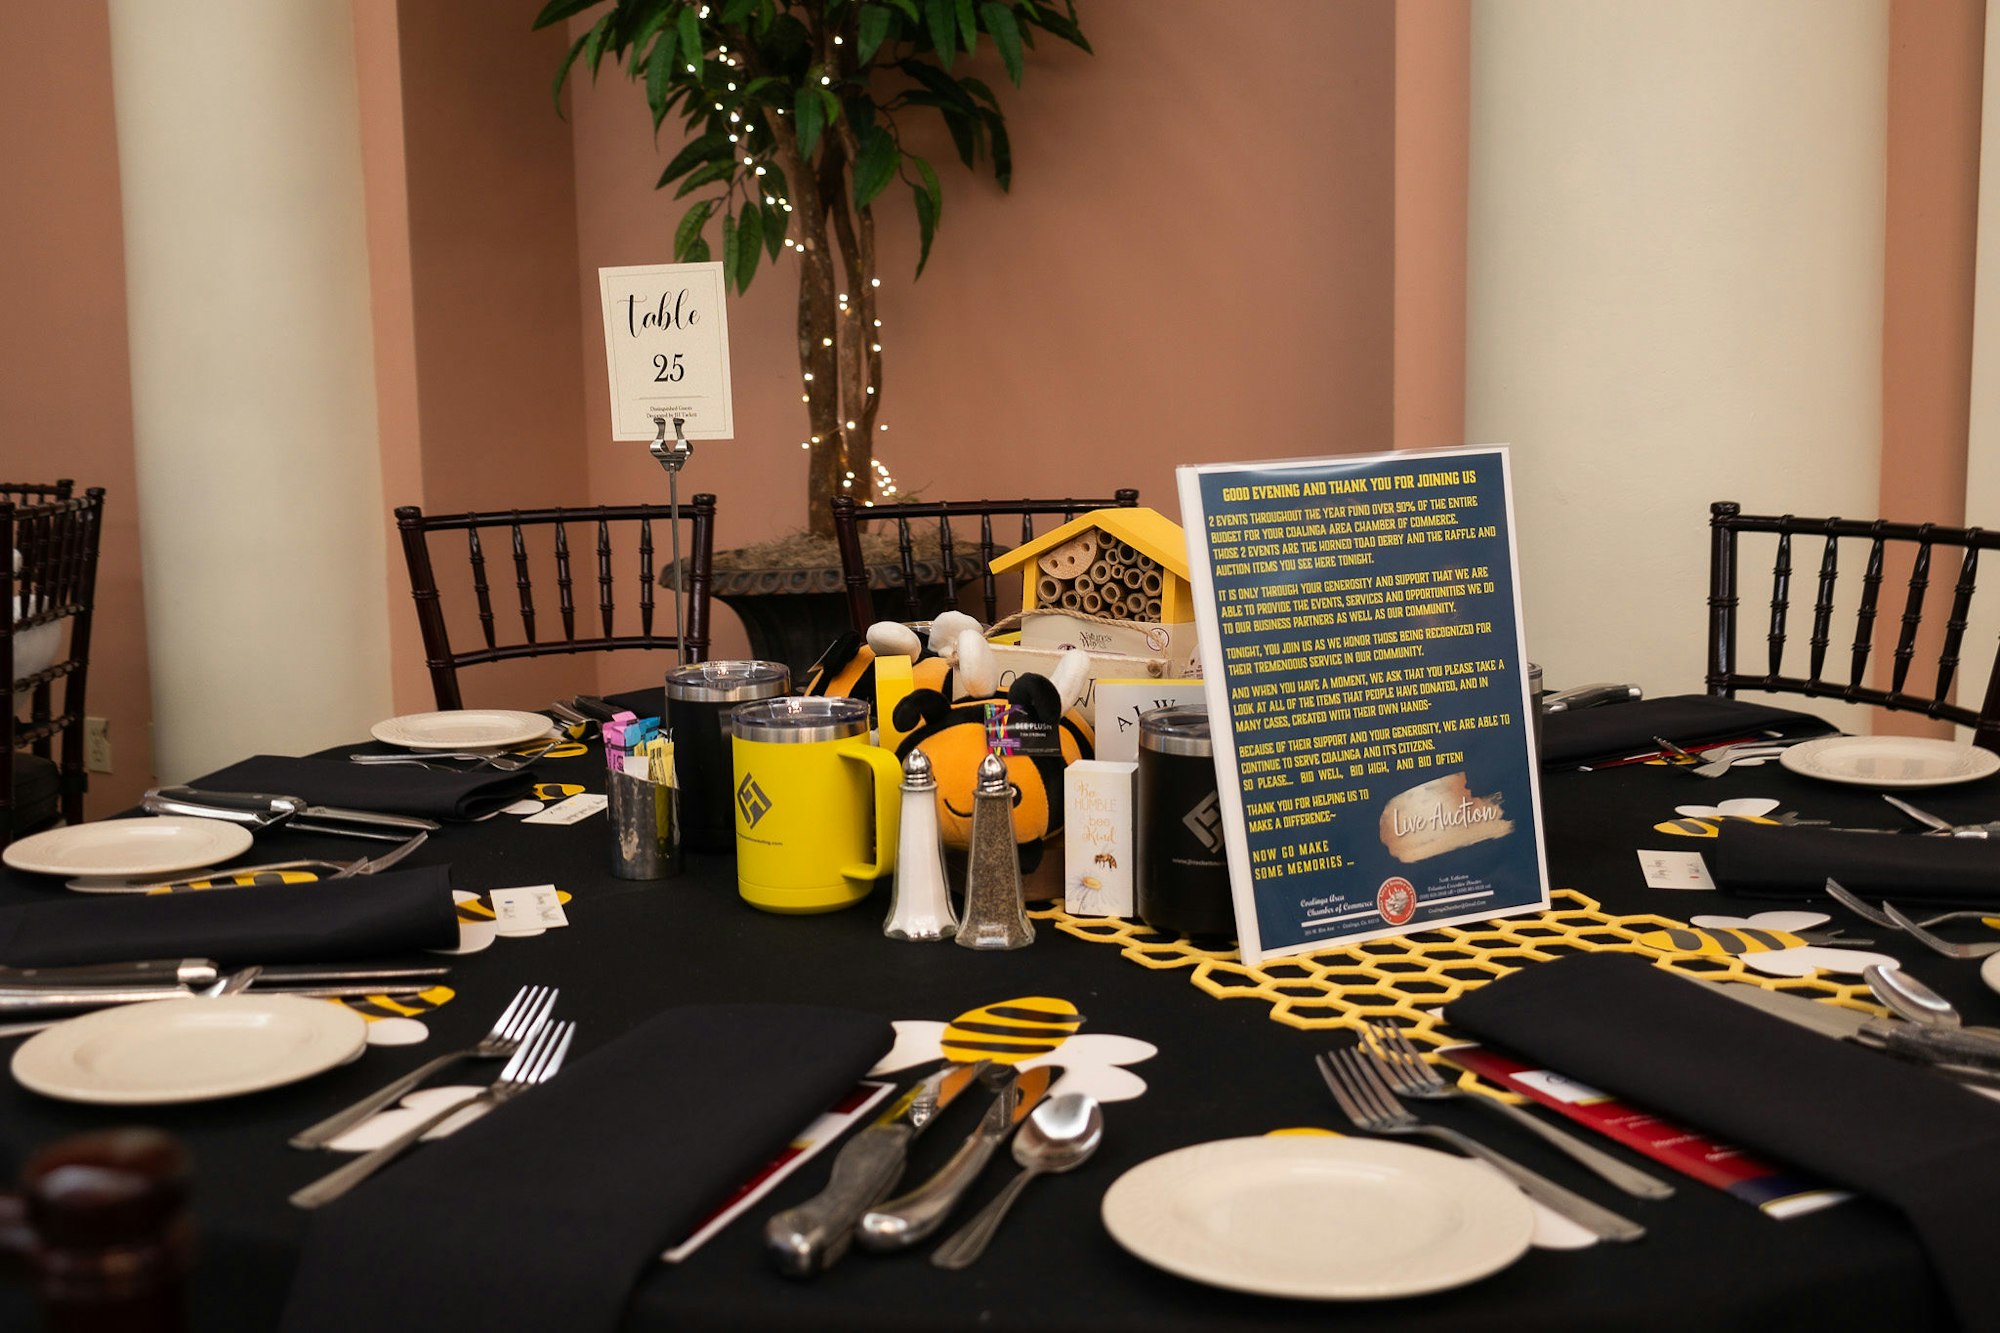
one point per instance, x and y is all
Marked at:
(791, 615)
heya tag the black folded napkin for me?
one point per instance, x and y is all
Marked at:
(1855, 1118)
(546, 1213)
(648, 702)
(395, 789)
(1615, 731)
(363, 917)
(1785, 861)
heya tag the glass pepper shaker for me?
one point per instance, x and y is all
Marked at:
(995, 916)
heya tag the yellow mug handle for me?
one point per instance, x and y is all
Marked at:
(888, 781)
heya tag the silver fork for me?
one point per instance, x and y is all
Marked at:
(529, 1009)
(1945, 947)
(1409, 1076)
(506, 763)
(536, 1062)
(1859, 906)
(1357, 1086)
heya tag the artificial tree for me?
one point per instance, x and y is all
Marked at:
(795, 112)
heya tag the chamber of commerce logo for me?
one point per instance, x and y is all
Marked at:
(1396, 900)
(1205, 822)
(750, 798)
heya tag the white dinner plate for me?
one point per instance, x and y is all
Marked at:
(461, 729)
(1989, 971)
(1319, 1218)
(1890, 761)
(161, 1051)
(156, 846)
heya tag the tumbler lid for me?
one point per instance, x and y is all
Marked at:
(794, 717)
(1182, 729)
(727, 682)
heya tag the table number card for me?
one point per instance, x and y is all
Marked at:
(666, 343)
(1360, 626)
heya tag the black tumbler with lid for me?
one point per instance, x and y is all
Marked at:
(699, 697)
(1183, 873)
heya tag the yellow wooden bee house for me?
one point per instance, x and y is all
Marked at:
(1113, 564)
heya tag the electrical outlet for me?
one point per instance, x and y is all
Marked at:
(97, 744)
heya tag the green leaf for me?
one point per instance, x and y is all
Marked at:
(811, 113)
(555, 11)
(696, 253)
(709, 147)
(736, 11)
(978, 88)
(1006, 36)
(927, 220)
(829, 104)
(930, 180)
(938, 19)
(730, 248)
(968, 26)
(660, 75)
(749, 245)
(940, 83)
(1003, 152)
(874, 165)
(908, 9)
(688, 235)
(562, 71)
(593, 46)
(776, 222)
(875, 21)
(691, 43)
(964, 135)
(705, 174)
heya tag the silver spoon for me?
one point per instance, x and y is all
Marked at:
(1912, 1000)
(1060, 1136)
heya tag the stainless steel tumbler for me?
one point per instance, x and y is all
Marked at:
(699, 697)
(1183, 874)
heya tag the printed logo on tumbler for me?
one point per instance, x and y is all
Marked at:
(1396, 900)
(1205, 822)
(751, 798)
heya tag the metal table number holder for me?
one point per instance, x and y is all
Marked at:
(673, 457)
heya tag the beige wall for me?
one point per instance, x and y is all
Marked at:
(1675, 297)
(66, 395)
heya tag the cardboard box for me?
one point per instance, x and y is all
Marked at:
(1098, 816)
(1015, 659)
(1120, 704)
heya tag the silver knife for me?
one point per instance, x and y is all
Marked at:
(902, 1222)
(813, 1236)
(1919, 1042)
(197, 972)
(263, 809)
(22, 1000)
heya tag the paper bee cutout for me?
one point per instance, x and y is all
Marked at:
(1026, 1032)
(1775, 943)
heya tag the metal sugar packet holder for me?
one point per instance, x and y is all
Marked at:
(673, 457)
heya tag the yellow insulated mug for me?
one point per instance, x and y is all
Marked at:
(817, 806)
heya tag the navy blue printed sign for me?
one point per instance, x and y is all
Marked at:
(1361, 646)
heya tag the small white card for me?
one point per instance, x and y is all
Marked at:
(577, 808)
(666, 345)
(1098, 837)
(1120, 704)
(527, 911)
(1675, 870)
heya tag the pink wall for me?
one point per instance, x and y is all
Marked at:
(66, 399)
(1195, 263)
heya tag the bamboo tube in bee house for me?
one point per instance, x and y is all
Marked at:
(1048, 590)
(1093, 602)
(1144, 561)
(1153, 583)
(1133, 577)
(1100, 572)
(1153, 608)
(1071, 599)
(1135, 605)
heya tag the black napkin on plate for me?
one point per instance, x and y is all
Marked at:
(547, 1212)
(1674, 1047)
(1616, 731)
(395, 789)
(363, 917)
(1791, 861)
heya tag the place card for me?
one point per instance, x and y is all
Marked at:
(1097, 839)
(1675, 870)
(1359, 622)
(574, 810)
(666, 346)
(527, 911)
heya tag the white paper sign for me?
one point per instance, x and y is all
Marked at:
(666, 341)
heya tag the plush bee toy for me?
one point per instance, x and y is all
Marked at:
(847, 667)
(953, 736)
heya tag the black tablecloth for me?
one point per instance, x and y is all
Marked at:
(1225, 1069)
